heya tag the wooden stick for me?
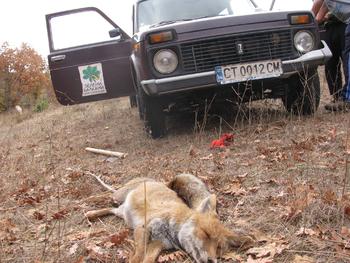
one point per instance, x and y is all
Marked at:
(106, 152)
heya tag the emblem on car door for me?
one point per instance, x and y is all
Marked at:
(239, 47)
(91, 77)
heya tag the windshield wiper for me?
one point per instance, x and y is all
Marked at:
(167, 22)
(207, 16)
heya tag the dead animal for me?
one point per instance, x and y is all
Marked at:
(119, 195)
(162, 220)
(192, 190)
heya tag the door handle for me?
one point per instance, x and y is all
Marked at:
(58, 58)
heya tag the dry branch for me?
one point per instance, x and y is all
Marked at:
(106, 152)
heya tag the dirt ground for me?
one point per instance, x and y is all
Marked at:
(283, 179)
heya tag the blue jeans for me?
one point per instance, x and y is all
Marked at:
(346, 90)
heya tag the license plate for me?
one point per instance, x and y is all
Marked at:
(248, 71)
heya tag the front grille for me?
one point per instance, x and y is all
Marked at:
(206, 54)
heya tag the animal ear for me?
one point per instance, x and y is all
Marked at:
(208, 204)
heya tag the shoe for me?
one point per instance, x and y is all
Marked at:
(340, 105)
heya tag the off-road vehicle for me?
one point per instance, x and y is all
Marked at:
(184, 51)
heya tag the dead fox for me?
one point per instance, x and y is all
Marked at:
(193, 191)
(119, 195)
(171, 224)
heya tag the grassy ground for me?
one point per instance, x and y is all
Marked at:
(283, 179)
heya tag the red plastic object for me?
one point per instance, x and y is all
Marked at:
(224, 140)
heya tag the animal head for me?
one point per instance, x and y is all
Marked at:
(205, 238)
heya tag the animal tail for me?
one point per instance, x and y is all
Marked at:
(108, 187)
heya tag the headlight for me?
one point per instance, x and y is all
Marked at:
(304, 41)
(165, 61)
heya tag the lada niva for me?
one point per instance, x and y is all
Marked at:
(185, 51)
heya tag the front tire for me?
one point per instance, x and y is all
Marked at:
(151, 112)
(303, 93)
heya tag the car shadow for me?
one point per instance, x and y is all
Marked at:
(226, 117)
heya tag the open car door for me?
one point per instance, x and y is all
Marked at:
(89, 56)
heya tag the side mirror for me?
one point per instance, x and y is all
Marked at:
(114, 33)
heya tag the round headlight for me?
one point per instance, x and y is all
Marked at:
(304, 41)
(165, 61)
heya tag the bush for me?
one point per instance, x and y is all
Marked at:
(41, 105)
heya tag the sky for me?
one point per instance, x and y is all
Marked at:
(24, 21)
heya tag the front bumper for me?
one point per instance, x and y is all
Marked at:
(208, 79)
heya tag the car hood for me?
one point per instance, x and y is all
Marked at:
(263, 20)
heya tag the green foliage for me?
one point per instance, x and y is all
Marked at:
(2, 102)
(41, 105)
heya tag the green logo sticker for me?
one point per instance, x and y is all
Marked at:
(91, 73)
(92, 82)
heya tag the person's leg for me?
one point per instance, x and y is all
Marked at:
(344, 103)
(346, 92)
(333, 65)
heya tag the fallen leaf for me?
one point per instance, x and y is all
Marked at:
(232, 256)
(345, 231)
(291, 213)
(303, 259)
(333, 133)
(86, 234)
(234, 189)
(38, 216)
(269, 250)
(75, 175)
(8, 231)
(60, 214)
(330, 197)
(306, 232)
(177, 256)
(259, 260)
(118, 238)
(97, 253)
(81, 259)
(73, 249)
(192, 152)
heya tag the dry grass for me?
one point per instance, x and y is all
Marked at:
(290, 171)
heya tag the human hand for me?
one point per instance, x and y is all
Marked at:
(320, 10)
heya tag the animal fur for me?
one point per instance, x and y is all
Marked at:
(119, 195)
(192, 191)
(171, 224)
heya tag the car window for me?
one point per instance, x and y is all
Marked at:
(283, 5)
(151, 12)
(79, 29)
(293, 5)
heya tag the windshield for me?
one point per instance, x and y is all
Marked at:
(153, 12)
(283, 5)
